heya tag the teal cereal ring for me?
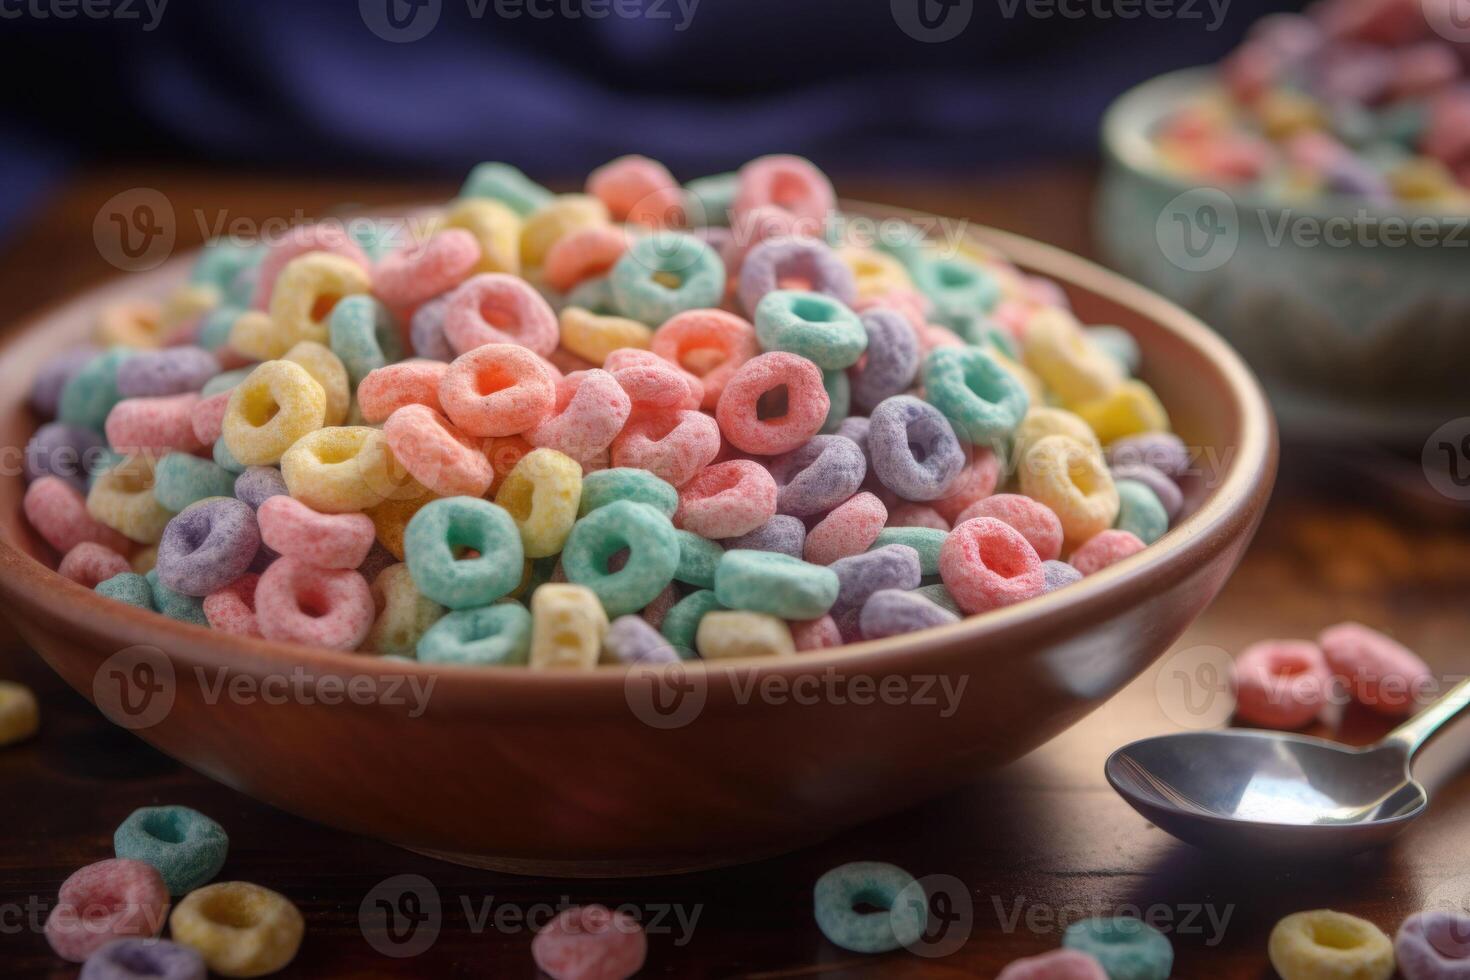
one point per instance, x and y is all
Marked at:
(902, 911)
(927, 541)
(698, 559)
(665, 273)
(708, 200)
(1140, 511)
(175, 605)
(127, 587)
(681, 622)
(771, 582)
(214, 328)
(958, 289)
(602, 487)
(653, 555)
(1127, 948)
(497, 635)
(982, 400)
(186, 847)
(442, 530)
(225, 459)
(814, 325)
(504, 183)
(181, 479)
(839, 400)
(362, 334)
(92, 392)
(225, 381)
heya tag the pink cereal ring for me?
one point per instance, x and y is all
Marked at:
(652, 382)
(437, 454)
(673, 446)
(496, 308)
(584, 254)
(1383, 674)
(89, 563)
(297, 242)
(153, 425)
(1280, 683)
(497, 390)
(1059, 964)
(423, 270)
(850, 529)
(976, 482)
(58, 512)
(640, 191)
(1037, 522)
(295, 530)
(389, 388)
(740, 407)
(907, 514)
(231, 609)
(112, 899)
(1103, 549)
(591, 409)
(727, 499)
(816, 634)
(932, 337)
(207, 417)
(790, 183)
(589, 942)
(709, 344)
(318, 607)
(986, 564)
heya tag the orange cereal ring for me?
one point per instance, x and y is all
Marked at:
(388, 388)
(710, 344)
(640, 191)
(436, 453)
(584, 254)
(497, 390)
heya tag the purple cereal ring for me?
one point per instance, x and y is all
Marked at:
(130, 959)
(913, 449)
(855, 427)
(632, 641)
(66, 451)
(893, 566)
(1164, 451)
(1434, 945)
(426, 330)
(55, 372)
(170, 371)
(794, 263)
(817, 476)
(207, 546)
(1057, 574)
(891, 362)
(259, 483)
(1156, 480)
(782, 533)
(889, 612)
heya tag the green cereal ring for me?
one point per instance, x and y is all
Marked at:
(443, 529)
(814, 325)
(504, 183)
(709, 199)
(938, 593)
(681, 622)
(602, 487)
(653, 554)
(362, 334)
(186, 847)
(1140, 511)
(175, 605)
(698, 559)
(1128, 949)
(221, 261)
(404, 614)
(982, 400)
(902, 910)
(770, 582)
(225, 381)
(925, 540)
(225, 459)
(127, 587)
(90, 394)
(957, 288)
(181, 479)
(664, 273)
(839, 397)
(497, 635)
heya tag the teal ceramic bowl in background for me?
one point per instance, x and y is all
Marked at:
(1356, 317)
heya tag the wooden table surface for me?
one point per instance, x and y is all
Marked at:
(1033, 847)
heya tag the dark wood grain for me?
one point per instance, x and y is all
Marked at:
(1349, 535)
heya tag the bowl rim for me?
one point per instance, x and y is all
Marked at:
(1243, 489)
(1125, 144)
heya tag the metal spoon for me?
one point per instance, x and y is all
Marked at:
(1277, 792)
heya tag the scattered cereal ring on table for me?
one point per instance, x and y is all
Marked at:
(901, 909)
(1127, 948)
(127, 959)
(1280, 683)
(186, 847)
(1380, 672)
(1323, 943)
(1433, 945)
(112, 899)
(1059, 964)
(589, 942)
(20, 715)
(241, 929)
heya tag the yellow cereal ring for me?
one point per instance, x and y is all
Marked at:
(1421, 179)
(742, 634)
(403, 613)
(1130, 409)
(1026, 377)
(542, 493)
(130, 323)
(329, 372)
(189, 302)
(20, 716)
(1042, 421)
(276, 404)
(1283, 113)
(241, 930)
(1066, 360)
(345, 468)
(567, 627)
(303, 297)
(1071, 478)
(549, 223)
(594, 337)
(122, 498)
(496, 228)
(390, 519)
(1327, 945)
(876, 272)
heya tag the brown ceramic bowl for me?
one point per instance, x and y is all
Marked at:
(580, 774)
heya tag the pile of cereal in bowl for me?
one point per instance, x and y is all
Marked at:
(1354, 98)
(643, 423)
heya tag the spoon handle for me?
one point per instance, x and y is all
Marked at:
(1412, 734)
